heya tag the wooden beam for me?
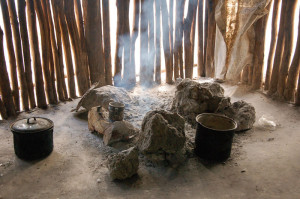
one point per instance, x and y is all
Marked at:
(157, 42)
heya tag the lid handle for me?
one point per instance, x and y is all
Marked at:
(28, 122)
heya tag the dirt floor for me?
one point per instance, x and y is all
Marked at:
(263, 164)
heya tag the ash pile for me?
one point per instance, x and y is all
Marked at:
(159, 132)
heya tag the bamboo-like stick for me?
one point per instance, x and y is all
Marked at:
(3, 110)
(35, 55)
(93, 33)
(45, 51)
(274, 34)
(26, 51)
(79, 21)
(188, 38)
(178, 49)
(54, 57)
(259, 49)
(18, 50)
(157, 43)
(278, 52)
(206, 8)
(80, 69)
(201, 68)
(151, 41)
(288, 46)
(5, 89)
(128, 75)
(67, 47)
(60, 64)
(211, 35)
(166, 42)
(171, 20)
(106, 36)
(11, 54)
(293, 71)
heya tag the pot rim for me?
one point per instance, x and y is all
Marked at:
(217, 115)
(31, 132)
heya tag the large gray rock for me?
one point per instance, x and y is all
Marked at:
(103, 96)
(243, 113)
(193, 98)
(162, 132)
(123, 164)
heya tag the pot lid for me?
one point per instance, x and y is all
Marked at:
(31, 125)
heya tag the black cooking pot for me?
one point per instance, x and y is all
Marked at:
(33, 138)
(214, 136)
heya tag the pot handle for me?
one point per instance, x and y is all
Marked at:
(28, 122)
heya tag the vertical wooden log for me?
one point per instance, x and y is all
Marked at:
(106, 36)
(288, 46)
(79, 21)
(151, 50)
(157, 43)
(171, 11)
(211, 35)
(278, 52)
(259, 49)
(26, 51)
(128, 75)
(178, 63)
(80, 69)
(18, 50)
(35, 55)
(274, 34)
(45, 50)
(144, 44)
(54, 58)
(3, 110)
(93, 33)
(293, 71)
(166, 42)
(11, 54)
(206, 8)
(5, 89)
(60, 63)
(67, 48)
(188, 45)
(201, 68)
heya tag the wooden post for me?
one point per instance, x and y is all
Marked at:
(166, 42)
(171, 11)
(66, 45)
(54, 57)
(45, 50)
(211, 35)
(5, 89)
(293, 72)
(259, 49)
(93, 33)
(288, 45)
(274, 34)
(60, 63)
(11, 54)
(157, 43)
(3, 110)
(178, 63)
(80, 69)
(129, 74)
(144, 44)
(18, 50)
(278, 52)
(201, 68)
(151, 41)
(35, 55)
(206, 8)
(106, 36)
(79, 20)
(188, 38)
(26, 51)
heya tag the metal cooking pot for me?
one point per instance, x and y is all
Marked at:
(33, 138)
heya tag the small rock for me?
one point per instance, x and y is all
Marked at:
(243, 171)
(98, 180)
(123, 164)
(271, 139)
